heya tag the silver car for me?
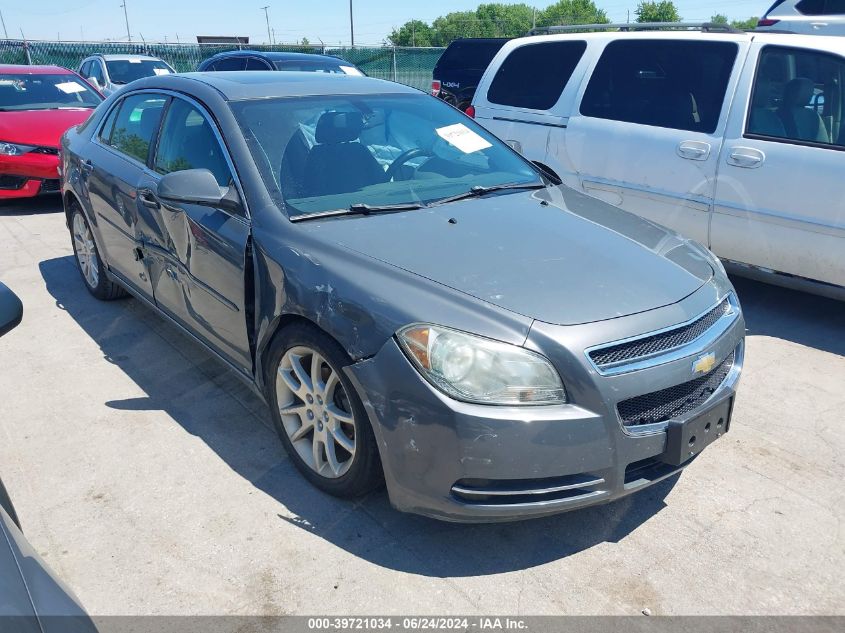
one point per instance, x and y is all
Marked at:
(809, 17)
(107, 73)
(414, 300)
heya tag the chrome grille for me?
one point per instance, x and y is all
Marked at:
(629, 351)
(666, 404)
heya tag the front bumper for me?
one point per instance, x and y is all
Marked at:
(28, 175)
(465, 462)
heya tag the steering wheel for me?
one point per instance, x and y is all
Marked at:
(403, 158)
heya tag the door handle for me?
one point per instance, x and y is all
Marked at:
(818, 25)
(747, 157)
(694, 150)
(148, 198)
(86, 167)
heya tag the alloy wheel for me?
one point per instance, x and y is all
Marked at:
(316, 412)
(86, 251)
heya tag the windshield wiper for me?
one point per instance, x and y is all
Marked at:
(478, 191)
(360, 209)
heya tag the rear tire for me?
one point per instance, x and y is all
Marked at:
(88, 260)
(318, 414)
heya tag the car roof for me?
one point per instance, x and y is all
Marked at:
(821, 42)
(257, 84)
(281, 55)
(20, 69)
(118, 57)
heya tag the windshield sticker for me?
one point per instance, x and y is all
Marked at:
(17, 84)
(161, 71)
(460, 136)
(351, 70)
(70, 87)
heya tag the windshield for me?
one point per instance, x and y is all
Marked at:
(332, 152)
(124, 71)
(45, 92)
(335, 68)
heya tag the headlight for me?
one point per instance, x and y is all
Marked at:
(11, 149)
(476, 369)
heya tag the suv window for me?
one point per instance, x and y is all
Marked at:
(521, 83)
(834, 7)
(85, 70)
(254, 63)
(187, 141)
(797, 96)
(664, 83)
(97, 72)
(811, 7)
(136, 124)
(228, 63)
(469, 54)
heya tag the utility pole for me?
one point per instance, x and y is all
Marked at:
(534, 19)
(351, 25)
(267, 18)
(126, 17)
(5, 32)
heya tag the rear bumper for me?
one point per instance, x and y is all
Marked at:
(473, 463)
(28, 175)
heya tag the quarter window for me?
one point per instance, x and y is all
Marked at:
(188, 142)
(534, 76)
(136, 124)
(663, 83)
(797, 97)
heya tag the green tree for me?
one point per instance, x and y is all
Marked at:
(572, 12)
(664, 11)
(719, 19)
(412, 33)
(745, 25)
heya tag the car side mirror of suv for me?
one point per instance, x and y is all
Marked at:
(194, 186)
(11, 310)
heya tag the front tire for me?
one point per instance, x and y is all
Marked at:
(318, 415)
(88, 260)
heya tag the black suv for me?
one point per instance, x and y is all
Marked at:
(460, 68)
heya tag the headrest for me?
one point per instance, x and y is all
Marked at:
(339, 127)
(149, 120)
(798, 92)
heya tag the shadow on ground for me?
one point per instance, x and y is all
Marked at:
(206, 399)
(49, 203)
(794, 316)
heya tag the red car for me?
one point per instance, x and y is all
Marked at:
(37, 105)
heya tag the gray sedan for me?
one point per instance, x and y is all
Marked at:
(415, 301)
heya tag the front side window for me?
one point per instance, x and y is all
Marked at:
(228, 63)
(187, 141)
(97, 72)
(662, 83)
(327, 153)
(797, 96)
(136, 124)
(45, 92)
(254, 63)
(124, 71)
(535, 75)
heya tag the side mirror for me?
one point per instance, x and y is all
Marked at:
(11, 310)
(194, 186)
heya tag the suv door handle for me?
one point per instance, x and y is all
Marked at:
(148, 198)
(694, 150)
(747, 157)
(818, 25)
(86, 166)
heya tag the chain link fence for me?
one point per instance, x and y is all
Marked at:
(411, 66)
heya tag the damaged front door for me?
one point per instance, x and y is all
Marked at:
(196, 253)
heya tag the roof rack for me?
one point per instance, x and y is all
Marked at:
(705, 27)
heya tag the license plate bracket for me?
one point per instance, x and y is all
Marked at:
(685, 440)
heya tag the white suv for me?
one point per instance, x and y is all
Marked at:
(814, 17)
(734, 139)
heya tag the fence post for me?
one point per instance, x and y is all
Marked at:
(394, 63)
(26, 53)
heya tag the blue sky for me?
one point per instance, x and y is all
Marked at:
(319, 19)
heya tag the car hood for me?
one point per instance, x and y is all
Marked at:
(39, 127)
(556, 255)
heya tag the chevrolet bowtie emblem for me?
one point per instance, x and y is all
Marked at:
(703, 364)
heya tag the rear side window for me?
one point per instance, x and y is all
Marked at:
(534, 76)
(136, 124)
(469, 54)
(663, 83)
(228, 63)
(834, 7)
(811, 7)
(253, 63)
(108, 126)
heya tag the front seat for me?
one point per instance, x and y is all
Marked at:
(339, 163)
(801, 123)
